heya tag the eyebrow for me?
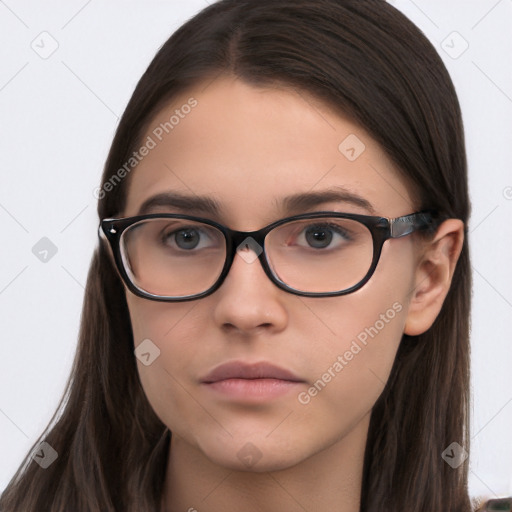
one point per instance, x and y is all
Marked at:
(292, 204)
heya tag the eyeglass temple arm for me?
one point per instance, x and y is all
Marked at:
(402, 226)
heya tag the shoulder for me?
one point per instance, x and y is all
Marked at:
(501, 505)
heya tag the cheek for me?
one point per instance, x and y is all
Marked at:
(349, 368)
(151, 319)
(174, 327)
(354, 340)
(168, 333)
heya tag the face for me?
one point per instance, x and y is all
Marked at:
(248, 148)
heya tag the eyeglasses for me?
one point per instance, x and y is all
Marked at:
(172, 257)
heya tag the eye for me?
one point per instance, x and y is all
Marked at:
(321, 236)
(187, 238)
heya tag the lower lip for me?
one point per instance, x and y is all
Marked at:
(253, 388)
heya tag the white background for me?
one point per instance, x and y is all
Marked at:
(57, 120)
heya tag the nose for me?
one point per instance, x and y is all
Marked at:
(248, 300)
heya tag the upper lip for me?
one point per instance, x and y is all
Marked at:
(241, 370)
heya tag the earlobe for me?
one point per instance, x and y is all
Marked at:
(433, 276)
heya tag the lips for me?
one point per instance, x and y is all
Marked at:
(240, 370)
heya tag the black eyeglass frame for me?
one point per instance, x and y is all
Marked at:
(381, 229)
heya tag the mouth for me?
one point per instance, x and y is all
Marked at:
(251, 382)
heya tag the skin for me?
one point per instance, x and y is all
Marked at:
(248, 147)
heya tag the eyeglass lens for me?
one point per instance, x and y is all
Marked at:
(180, 257)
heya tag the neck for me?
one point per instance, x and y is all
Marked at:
(330, 479)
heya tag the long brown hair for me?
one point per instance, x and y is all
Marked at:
(371, 64)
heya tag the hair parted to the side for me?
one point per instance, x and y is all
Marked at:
(367, 61)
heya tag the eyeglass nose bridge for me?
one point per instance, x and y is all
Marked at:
(241, 240)
(250, 246)
(254, 240)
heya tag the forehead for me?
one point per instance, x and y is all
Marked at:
(248, 147)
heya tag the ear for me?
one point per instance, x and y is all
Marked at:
(433, 276)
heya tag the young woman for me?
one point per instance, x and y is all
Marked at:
(277, 313)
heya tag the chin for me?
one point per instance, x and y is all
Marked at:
(264, 465)
(254, 456)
